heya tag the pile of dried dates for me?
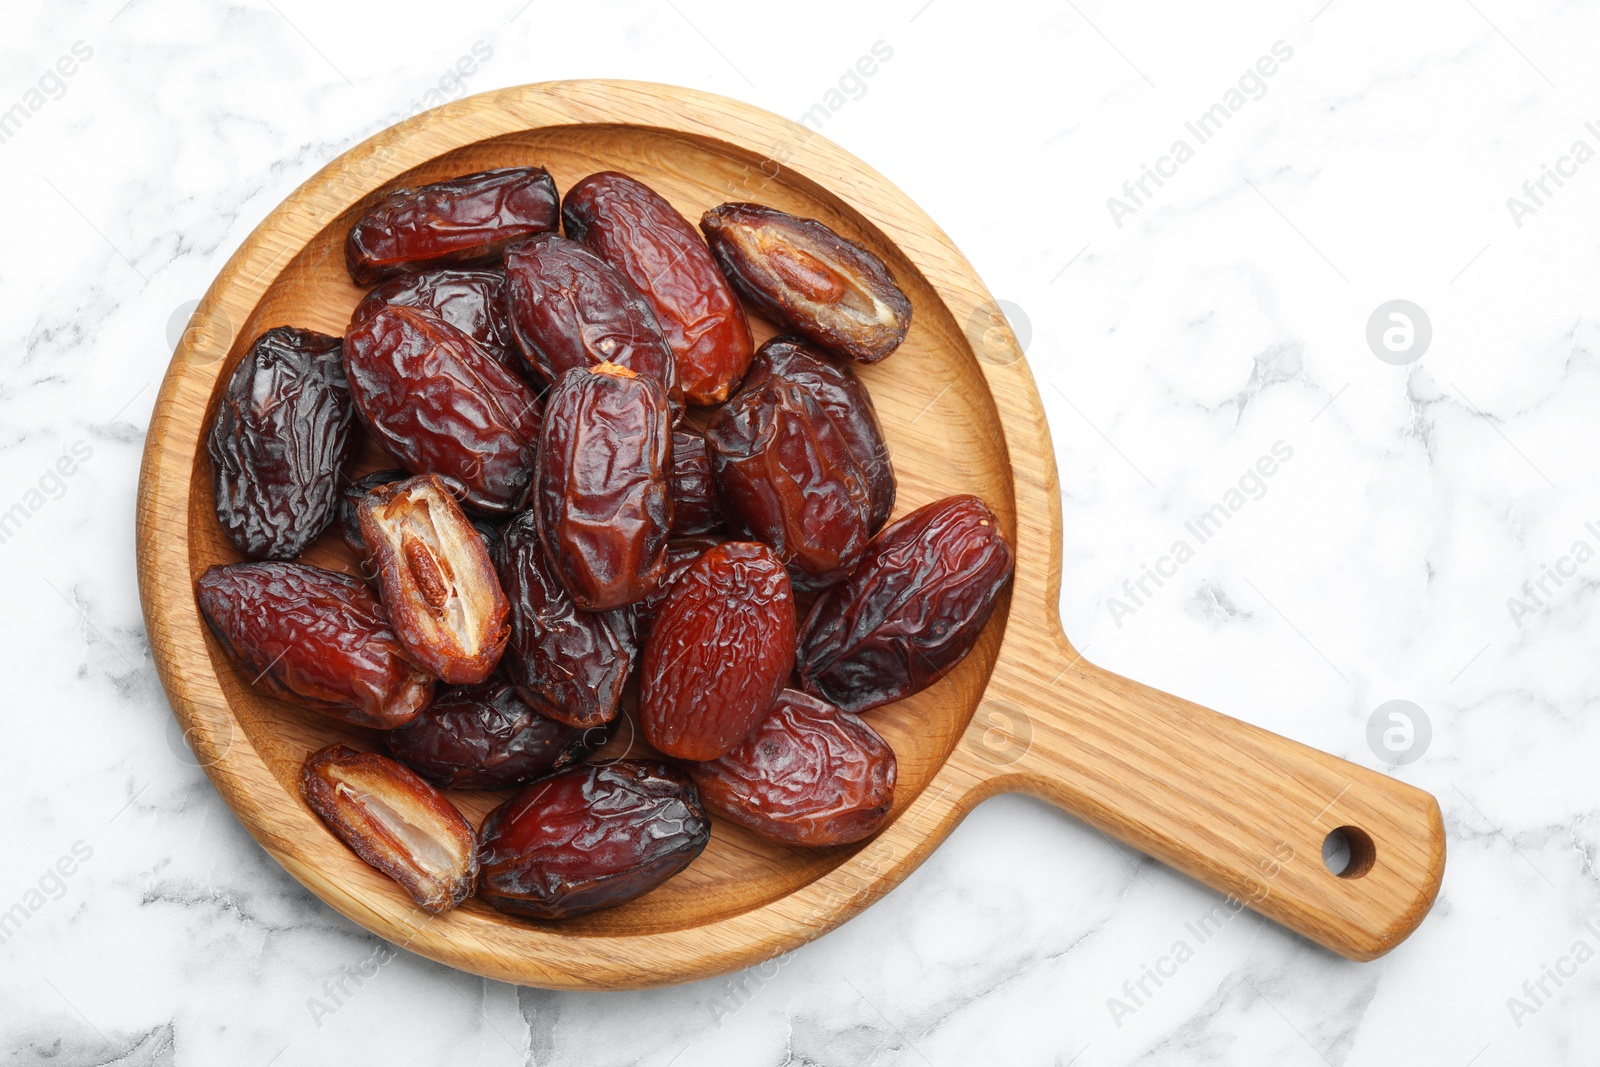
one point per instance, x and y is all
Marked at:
(595, 479)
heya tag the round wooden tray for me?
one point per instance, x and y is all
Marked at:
(1241, 809)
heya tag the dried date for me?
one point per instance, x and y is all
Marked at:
(912, 608)
(570, 308)
(718, 653)
(441, 406)
(787, 476)
(845, 399)
(681, 554)
(566, 663)
(695, 508)
(801, 274)
(473, 301)
(808, 774)
(437, 580)
(463, 222)
(395, 822)
(485, 737)
(590, 838)
(280, 443)
(313, 637)
(604, 497)
(633, 228)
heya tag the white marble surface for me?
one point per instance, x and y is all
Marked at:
(1226, 313)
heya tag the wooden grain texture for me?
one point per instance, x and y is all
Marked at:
(1238, 808)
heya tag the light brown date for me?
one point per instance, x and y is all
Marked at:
(395, 822)
(437, 580)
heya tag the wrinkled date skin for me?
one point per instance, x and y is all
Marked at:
(350, 498)
(681, 554)
(845, 399)
(395, 822)
(718, 653)
(695, 508)
(786, 476)
(911, 610)
(590, 838)
(439, 405)
(484, 737)
(280, 443)
(800, 274)
(473, 301)
(604, 495)
(464, 222)
(808, 774)
(314, 637)
(569, 308)
(633, 228)
(566, 663)
(437, 580)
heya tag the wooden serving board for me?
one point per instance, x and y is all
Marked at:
(1236, 807)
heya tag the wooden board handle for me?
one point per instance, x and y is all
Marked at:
(1234, 806)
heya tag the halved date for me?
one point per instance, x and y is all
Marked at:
(569, 308)
(437, 580)
(804, 276)
(590, 838)
(912, 608)
(280, 443)
(718, 652)
(395, 822)
(485, 737)
(473, 301)
(314, 637)
(840, 393)
(441, 406)
(604, 498)
(566, 663)
(466, 221)
(788, 477)
(695, 508)
(633, 228)
(808, 774)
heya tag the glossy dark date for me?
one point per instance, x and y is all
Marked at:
(808, 774)
(787, 476)
(912, 608)
(280, 443)
(590, 838)
(473, 301)
(566, 663)
(633, 228)
(466, 221)
(438, 583)
(804, 276)
(485, 737)
(604, 497)
(313, 637)
(840, 393)
(695, 508)
(718, 652)
(439, 405)
(569, 308)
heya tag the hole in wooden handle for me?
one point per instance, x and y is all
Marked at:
(1348, 852)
